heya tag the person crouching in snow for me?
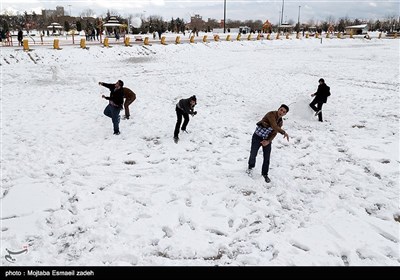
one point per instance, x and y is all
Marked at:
(265, 132)
(116, 100)
(129, 96)
(183, 108)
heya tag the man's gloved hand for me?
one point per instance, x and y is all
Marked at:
(194, 113)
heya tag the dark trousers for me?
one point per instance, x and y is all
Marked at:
(255, 146)
(179, 114)
(113, 112)
(317, 108)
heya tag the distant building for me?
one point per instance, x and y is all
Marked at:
(357, 29)
(197, 23)
(286, 27)
(58, 12)
(244, 29)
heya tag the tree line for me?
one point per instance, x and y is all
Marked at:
(156, 23)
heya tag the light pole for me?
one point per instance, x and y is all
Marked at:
(298, 21)
(283, 5)
(224, 14)
(70, 10)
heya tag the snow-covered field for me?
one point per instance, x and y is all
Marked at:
(75, 194)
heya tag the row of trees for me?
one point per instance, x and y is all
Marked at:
(156, 23)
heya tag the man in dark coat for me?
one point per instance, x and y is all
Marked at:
(116, 100)
(183, 108)
(321, 96)
(20, 37)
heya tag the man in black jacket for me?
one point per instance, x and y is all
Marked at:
(321, 96)
(116, 100)
(183, 108)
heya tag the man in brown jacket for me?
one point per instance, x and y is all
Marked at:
(129, 96)
(265, 132)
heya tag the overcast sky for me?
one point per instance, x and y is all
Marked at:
(235, 10)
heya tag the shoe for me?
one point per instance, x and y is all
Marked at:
(117, 133)
(126, 117)
(249, 171)
(316, 113)
(184, 130)
(176, 139)
(266, 178)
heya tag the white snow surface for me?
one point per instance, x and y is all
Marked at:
(73, 193)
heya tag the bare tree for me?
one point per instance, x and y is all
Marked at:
(87, 13)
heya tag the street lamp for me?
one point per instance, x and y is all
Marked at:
(224, 14)
(298, 21)
(283, 5)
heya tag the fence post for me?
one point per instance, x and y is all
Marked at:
(83, 43)
(56, 44)
(26, 45)
(105, 43)
(205, 39)
(127, 41)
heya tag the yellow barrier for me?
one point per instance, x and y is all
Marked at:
(83, 43)
(205, 39)
(127, 41)
(277, 36)
(216, 38)
(178, 40)
(56, 44)
(351, 34)
(163, 40)
(327, 35)
(307, 35)
(395, 35)
(339, 35)
(228, 38)
(26, 45)
(105, 43)
(380, 35)
(238, 37)
(287, 35)
(146, 41)
(192, 39)
(259, 37)
(269, 36)
(316, 35)
(249, 37)
(297, 35)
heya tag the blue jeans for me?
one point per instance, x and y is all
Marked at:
(255, 146)
(113, 112)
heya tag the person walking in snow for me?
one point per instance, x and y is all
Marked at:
(129, 96)
(20, 36)
(116, 100)
(320, 97)
(265, 132)
(184, 107)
